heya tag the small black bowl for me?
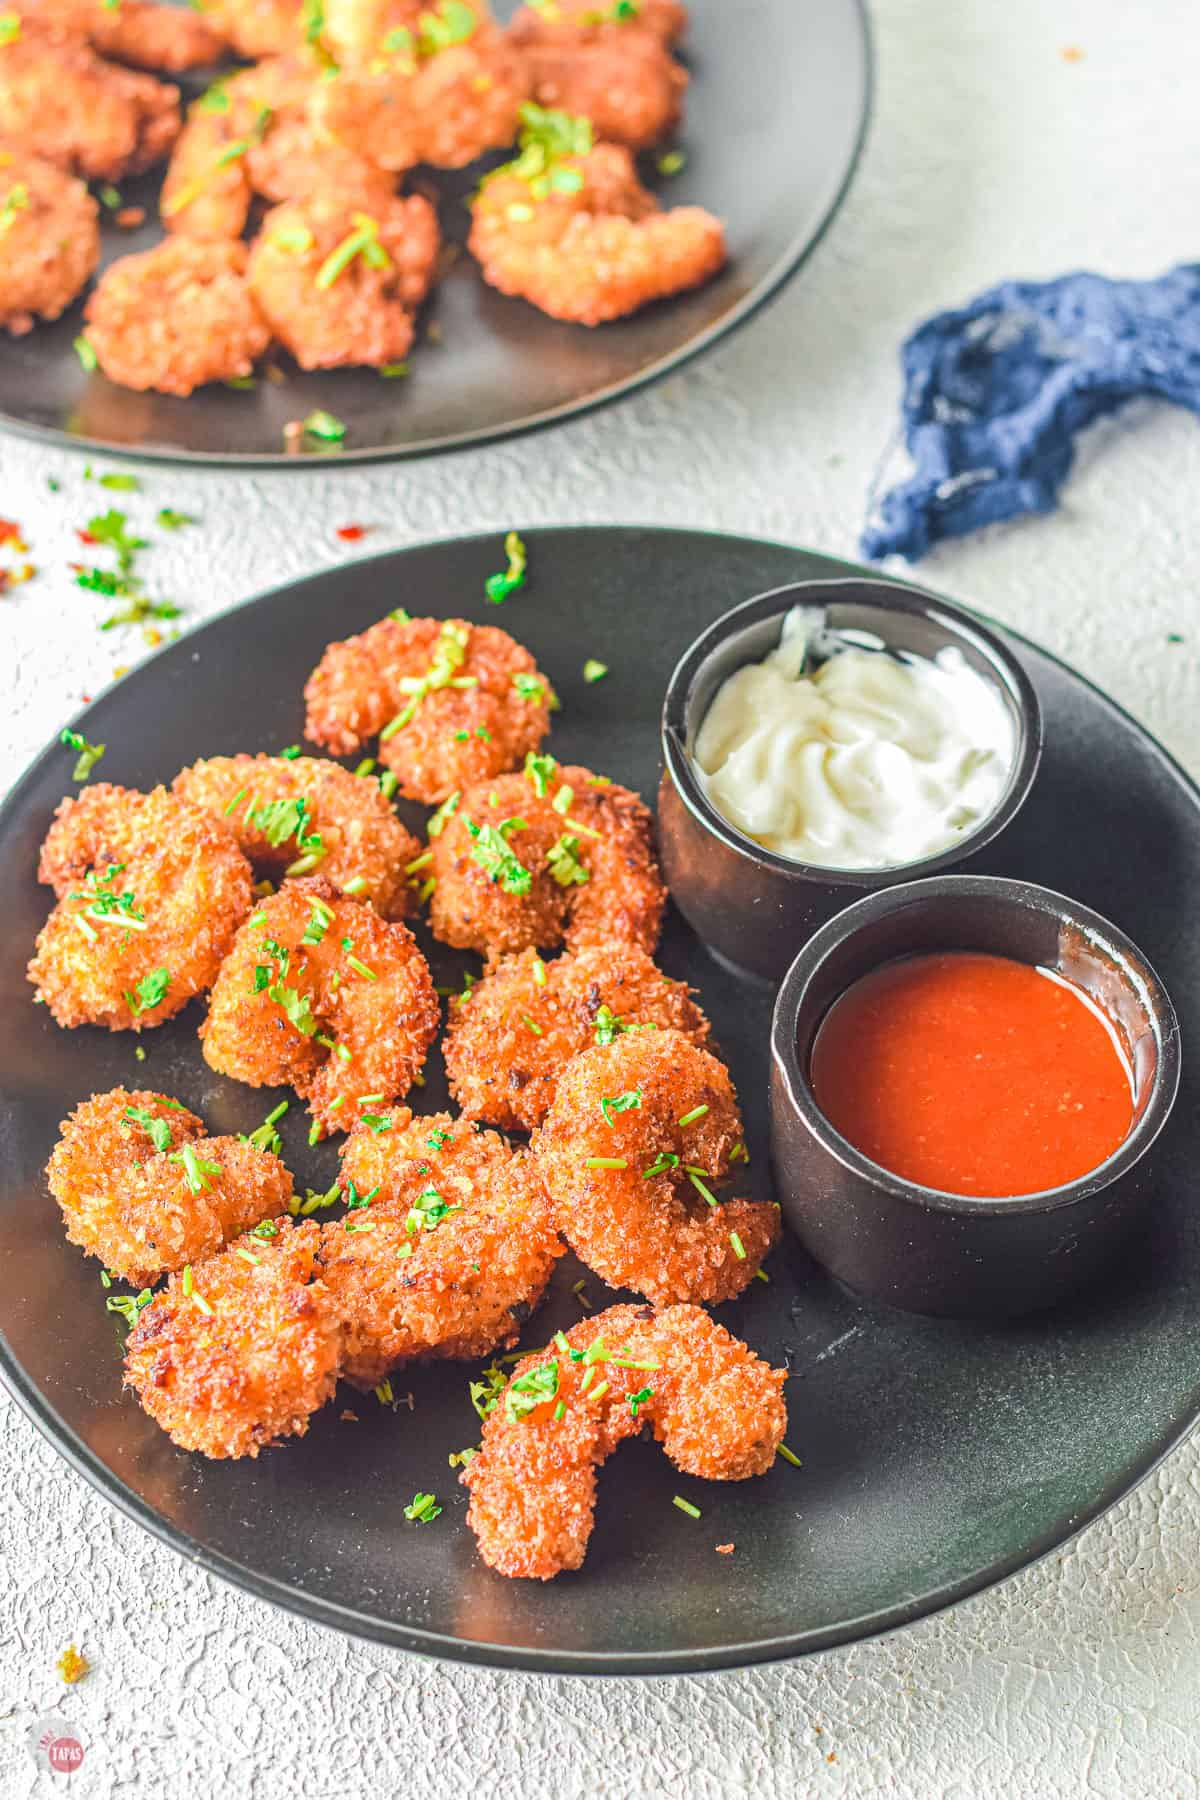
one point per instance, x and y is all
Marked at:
(953, 1254)
(751, 907)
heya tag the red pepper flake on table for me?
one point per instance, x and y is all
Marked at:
(12, 539)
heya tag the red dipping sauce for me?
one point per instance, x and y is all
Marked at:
(973, 1074)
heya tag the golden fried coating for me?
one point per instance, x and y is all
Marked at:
(294, 161)
(667, 19)
(456, 703)
(511, 1037)
(620, 76)
(555, 855)
(140, 32)
(59, 100)
(239, 1351)
(640, 1133)
(177, 316)
(338, 286)
(445, 109)
(132, 1195)
(359, 31)
(206, 193)
(453, 1252)
(304, 813)
(256, 28)
(590, 252)
(715, 1407)
(321, 994)
(49, 240)
(151, 891)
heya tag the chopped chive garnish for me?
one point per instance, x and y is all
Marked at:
(202, 1305)
(685, 1506)
(606, 1162)
(389, 781)
(697, 1112)
(598, 1393)
(86, 354)
(560, 1409)
(704, 1192)
(739, 1153)
(561, 1340)
(619, 1103)
(187, 1280)
(444, 814)
(789, 1456)
(593, 670)
(666, 1159)
(360, 968)
(422, 1508)
(322, 424)
(246, 1255)
(499, 587)
(532, 1025)
(739, 1249)
(86, 755)
(527, 1392)
(365, 766)
(354, 886)
(539, 971)
(761, 1275)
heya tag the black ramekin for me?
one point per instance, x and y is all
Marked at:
(952, 1254)
(751, 907)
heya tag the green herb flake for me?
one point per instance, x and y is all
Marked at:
(499, 587)
(158, 1130)
(492, 853)
(593, 670)
(562, 859)
(685, 1506)
(422, 1509)
(619, 1103)
(525, 1393)
(150, 991)
(86, 755)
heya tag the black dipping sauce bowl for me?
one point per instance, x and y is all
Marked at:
(951, 1254)
(750, 906)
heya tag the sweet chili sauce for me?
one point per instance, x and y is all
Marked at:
(972, 1073)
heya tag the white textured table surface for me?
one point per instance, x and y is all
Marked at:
(991, 155)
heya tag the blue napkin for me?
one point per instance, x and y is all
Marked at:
(995, 393)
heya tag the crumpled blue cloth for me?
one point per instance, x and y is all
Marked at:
(995, 393)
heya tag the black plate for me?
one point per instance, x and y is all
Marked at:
(775, 117)
(937, 1457)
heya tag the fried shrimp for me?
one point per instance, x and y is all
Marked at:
(454, 703)
(511, 1037)
(49, 240)
(177, 316)
(338, 286)
(144, 1188)
(151, 891)
(716, 1408)
(257, 28)
(571, 229)
(59, 100)
(640, 1132)
(619, 76)
(239, 1351)
(453, 1251)
(206, 193)
(667, 19)
(132, 31)
(296, 814)
(555, 855)
(321, 994)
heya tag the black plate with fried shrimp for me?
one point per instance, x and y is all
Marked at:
(351, 1511)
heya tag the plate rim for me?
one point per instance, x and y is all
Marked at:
(756, 301)
(318, 1609)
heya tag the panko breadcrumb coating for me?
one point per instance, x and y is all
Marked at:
(321, 994)
(618, 75)
(132, 1196)
(555, 855)
(151, 891)
(206, 193)
(241, 1350)
(338, 286)
(453, 1252)
(257, 28)
(716, 1408)
(355, 31)
(640, 1134)
(456, 703)
(294, 162)
(49, 240)
(667, 19)
(59, 100)
(176, 317)
(510, 1038)
(360, 838)
(131, 31)
(592, 245)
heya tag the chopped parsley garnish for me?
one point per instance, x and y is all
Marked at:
(564, 864)
(499, 587)
(547, 138)
(619, 1103)
(495, 856)
(295, 1005)
(593, 670)
(265, 1137)
(530, 688)
(150, 991)
(86, 755)
(128, 1305)
(377, 1122)
(111, 529)
(448, 657)
(538, 770)
(527, 1392)
(665, 1160)
(196, 1170)
(363, 241)
(158, 1130)
(422, 1508)
(485, 1393)
(323, 425)
(428, 1210)
(266, 1228)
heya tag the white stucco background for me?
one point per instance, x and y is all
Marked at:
(991, 155)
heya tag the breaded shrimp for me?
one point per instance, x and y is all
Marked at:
(715, 1407)
(582, 239)
(357, 32)
(667, 19)
(321, 994)
(640, 1133)
(239, 1351)
(445, 109)
(132, 31)
(295, 161)
(143, 1187)
(151, 891)
(177, 316)
(59, 100)
(339, 286)
(620, 76)
(453, 1251)
(49, 240)
(511, 1037)
(304, 813)
(455, 703)
(206, 193)
(257, 28)
(555, 855)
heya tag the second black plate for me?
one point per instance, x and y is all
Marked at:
(937, 1457)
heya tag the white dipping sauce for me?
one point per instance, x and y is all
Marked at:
(873, 760)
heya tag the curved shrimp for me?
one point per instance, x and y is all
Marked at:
(715, 1407)
(621, 76)
(49, 240)
(61, 101)
(640, 1132)
(321, 994)
(151, 891)
(176, 317)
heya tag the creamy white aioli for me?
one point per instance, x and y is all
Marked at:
(871, 761)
